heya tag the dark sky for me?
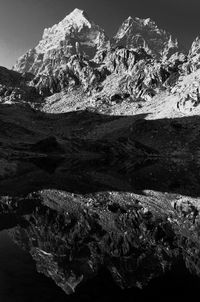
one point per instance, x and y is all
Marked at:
(22, 21)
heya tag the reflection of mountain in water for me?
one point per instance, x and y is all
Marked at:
(77, 219)
(75, 176)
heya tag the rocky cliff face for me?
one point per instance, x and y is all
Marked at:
(139, 62)
(76, 66)
(193, 57)
(144, 33)
(74, 35)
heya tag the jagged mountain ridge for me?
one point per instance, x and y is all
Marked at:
(137, 32)
(75, 34)
(76, 66)
(76, 53)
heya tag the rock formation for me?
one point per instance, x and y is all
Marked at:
(76, 66)
(76, 54)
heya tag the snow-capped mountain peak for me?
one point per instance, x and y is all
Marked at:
(77, 18)
(137, 32)
(75, 34)
(75, 22)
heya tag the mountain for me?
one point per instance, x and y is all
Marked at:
(193, 63)
(77, 54)
(137, 32)
(75, 34)
(76, 66)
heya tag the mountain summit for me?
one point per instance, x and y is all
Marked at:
(75, 34)
(71, 24)
(137, 32)
(75, 26)
(77, 59)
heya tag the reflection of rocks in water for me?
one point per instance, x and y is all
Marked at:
(76, 176)
(77, 218)
(48, 164)
(134, 237)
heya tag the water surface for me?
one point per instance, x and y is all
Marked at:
(20, 279)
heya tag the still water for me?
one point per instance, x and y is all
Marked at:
(20, 282)
(20, 279)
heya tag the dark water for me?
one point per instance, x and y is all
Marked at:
(19, 281)
(172, 176)
(19, 278)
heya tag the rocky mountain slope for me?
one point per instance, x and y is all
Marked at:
(76, 66)
(136, 32)
(76, 34)
(77, 59)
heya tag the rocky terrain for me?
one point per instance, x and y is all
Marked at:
(77, 66)
(99, 152)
